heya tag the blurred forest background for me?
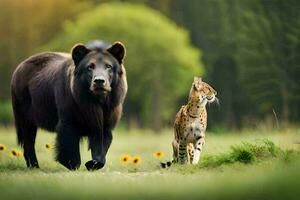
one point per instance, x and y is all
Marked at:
(248, 50)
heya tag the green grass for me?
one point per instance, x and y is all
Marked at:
(253, 164)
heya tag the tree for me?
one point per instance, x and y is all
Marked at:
(250, 55)
(160, 63)
(27, 24)
(213, 25)
(269, 41)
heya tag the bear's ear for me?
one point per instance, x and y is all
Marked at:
(79, 51)
(118, 51)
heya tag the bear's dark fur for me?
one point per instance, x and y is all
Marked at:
(75, 95)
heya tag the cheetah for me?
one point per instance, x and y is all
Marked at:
(190, 124)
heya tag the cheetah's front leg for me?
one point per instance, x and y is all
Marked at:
(182, 152)
(198, 149)
(190, 151)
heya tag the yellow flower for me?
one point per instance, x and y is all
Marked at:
(19, 153)
(136, 160)
(125, 159)
(49, 146)
(158, 154)
(2, 147)
(14, 152)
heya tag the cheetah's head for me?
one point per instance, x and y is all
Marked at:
(202, 92)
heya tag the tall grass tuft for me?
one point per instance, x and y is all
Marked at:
(247, 153)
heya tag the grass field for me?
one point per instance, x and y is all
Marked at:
(272, 177)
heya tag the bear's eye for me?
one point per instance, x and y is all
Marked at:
(108, 66)
(91, 66)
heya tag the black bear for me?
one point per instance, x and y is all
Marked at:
(75, 95)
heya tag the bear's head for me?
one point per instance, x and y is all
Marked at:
(98, 72)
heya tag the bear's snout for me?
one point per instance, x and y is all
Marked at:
(99, 81)
(100, 85)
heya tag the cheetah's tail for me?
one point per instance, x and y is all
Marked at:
(166, 164)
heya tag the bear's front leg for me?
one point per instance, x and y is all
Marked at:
(107, 139)
(67, 144)
(96, 142)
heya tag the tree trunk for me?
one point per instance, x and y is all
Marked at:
(285, 106)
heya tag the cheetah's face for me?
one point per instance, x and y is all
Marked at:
(202, 91)
(208, 92)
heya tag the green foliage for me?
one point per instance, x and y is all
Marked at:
(250, 53)
(6, 114)
(246, 153)
(160, 62)
(290, 155)
(270, 179)
(268, 43)
(27, 24)
(213, 25)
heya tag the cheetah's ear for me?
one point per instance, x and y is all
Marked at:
(195, 79)
(197, 83)
(200, 85)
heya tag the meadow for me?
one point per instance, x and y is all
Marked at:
(273, 173)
